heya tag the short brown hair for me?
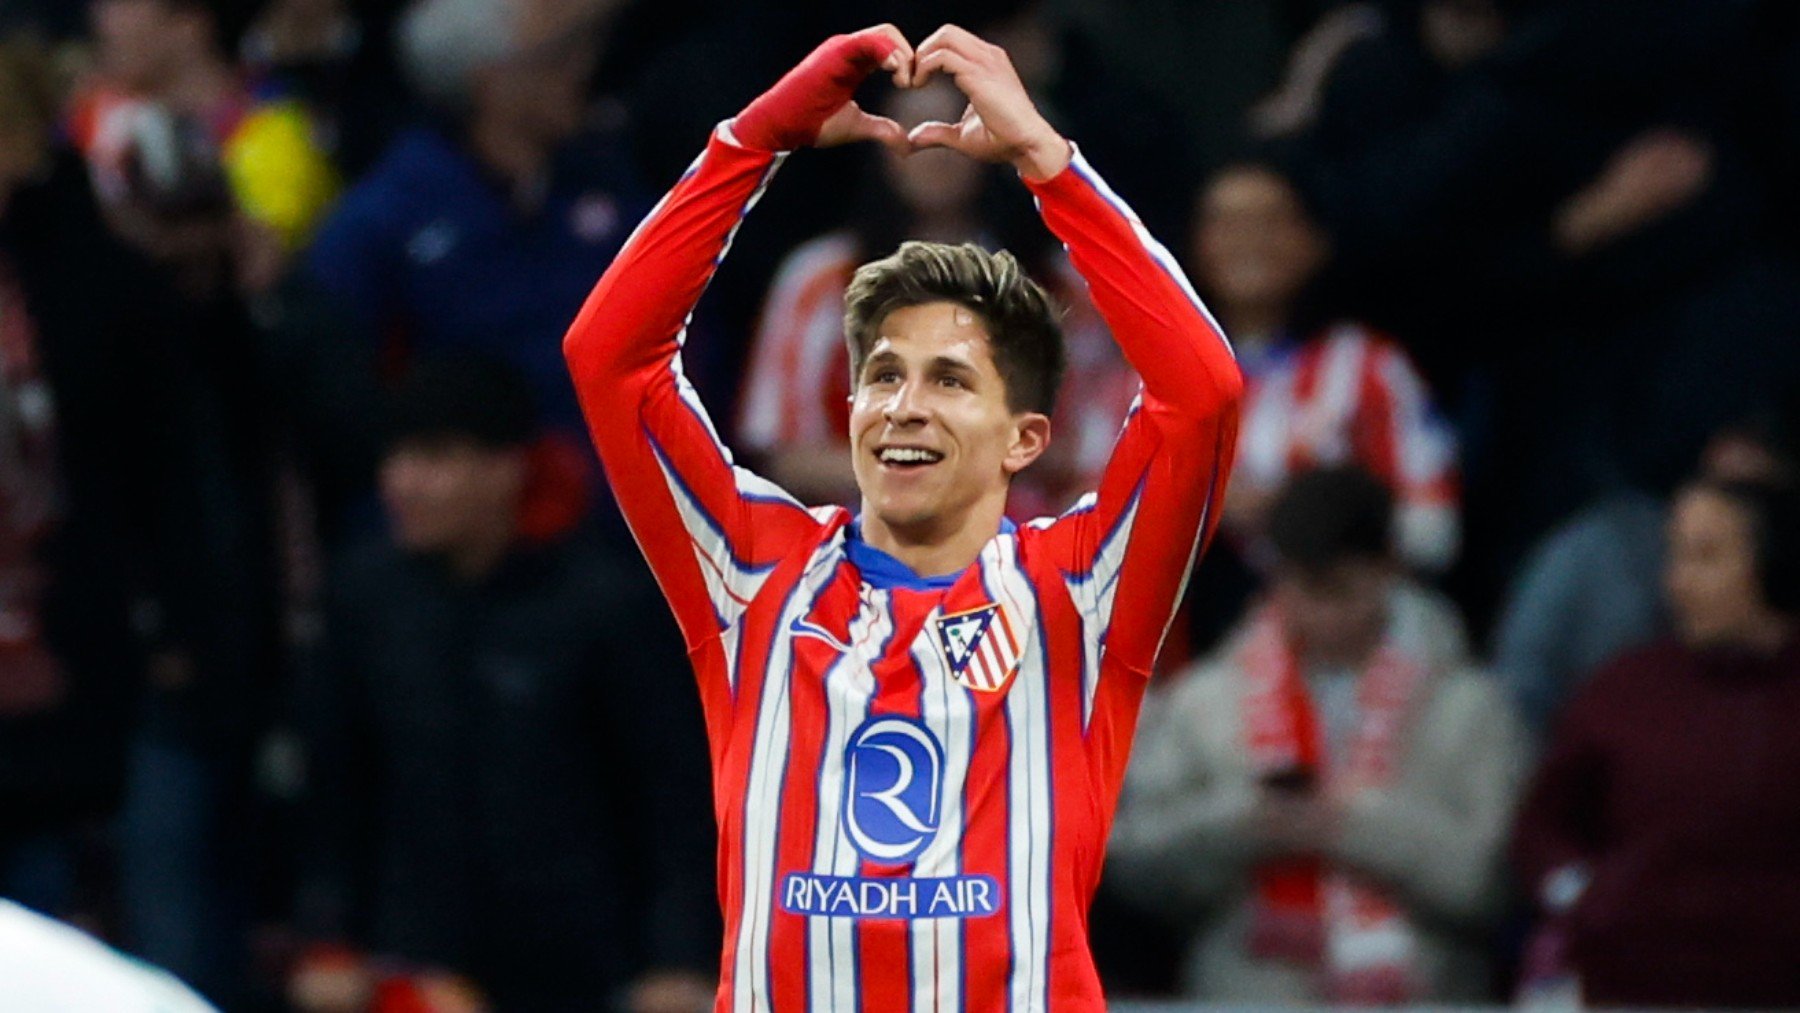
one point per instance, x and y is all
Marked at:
(1022, 321)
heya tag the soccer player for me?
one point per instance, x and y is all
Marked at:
(919, 714)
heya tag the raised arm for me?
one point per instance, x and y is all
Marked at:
(1128, 550)
(711, 531)
(1130, 545)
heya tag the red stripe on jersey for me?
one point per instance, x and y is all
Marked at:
(1374, 432)
(986, 942)
(1087, 768)
(813, 658)
(884, 945)
(1305, 389)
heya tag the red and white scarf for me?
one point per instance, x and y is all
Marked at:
(1307, 911)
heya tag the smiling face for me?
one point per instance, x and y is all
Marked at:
(933, 440)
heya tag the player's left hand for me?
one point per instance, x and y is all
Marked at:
(1001, 124)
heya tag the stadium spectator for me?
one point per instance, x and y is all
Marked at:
(481, 229)
(1325, 800)
(1591, 588)
(1657, 834)
(1321, 393)
(795, 408)
(1585, 295)
(170, 517)
(193, 167)
(68, 497)
(508, 787)
(323, 54)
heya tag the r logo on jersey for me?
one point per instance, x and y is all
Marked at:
(893, 788)
(981, 647)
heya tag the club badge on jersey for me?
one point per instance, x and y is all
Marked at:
(981, 647)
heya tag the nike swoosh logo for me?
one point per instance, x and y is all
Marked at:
(802, 628)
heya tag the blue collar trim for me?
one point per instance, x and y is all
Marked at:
(884, 571)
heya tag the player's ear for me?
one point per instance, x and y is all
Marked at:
(1031, 437)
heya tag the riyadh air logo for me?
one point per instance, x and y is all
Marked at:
(893, 783)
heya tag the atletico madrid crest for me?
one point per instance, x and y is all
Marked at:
(981, 647)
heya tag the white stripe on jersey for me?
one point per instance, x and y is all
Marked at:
(1029, 812)
(730, 585)
(1336, 393)
(849, 686)
(762, 800)
(948, 711)
(1270, 419)
(1425, 444)
(1093, 595)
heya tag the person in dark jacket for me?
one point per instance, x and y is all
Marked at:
(482, 228)
(69, 468)
(1658, 835)
(138, 548)
(507, 794)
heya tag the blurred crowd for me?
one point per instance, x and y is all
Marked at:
(330, 680)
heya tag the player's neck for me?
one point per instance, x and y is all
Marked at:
(942, 546)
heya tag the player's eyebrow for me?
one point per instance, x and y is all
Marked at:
(951, 364)
(886, 357)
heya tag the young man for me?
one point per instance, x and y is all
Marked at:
(919, 714)
(1322, 803)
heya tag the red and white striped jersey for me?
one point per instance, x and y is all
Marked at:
(914, 777)
(1351, 396)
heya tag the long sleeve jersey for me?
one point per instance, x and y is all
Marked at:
(914, 777)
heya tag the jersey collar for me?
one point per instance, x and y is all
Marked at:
(887, 573)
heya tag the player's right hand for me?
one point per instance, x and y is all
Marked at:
(813, 105)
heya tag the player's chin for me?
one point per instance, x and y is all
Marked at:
(903, 509)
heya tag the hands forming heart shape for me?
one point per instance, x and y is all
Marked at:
(812, 105)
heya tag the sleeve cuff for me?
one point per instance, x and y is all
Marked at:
(1069, 176)
(726, 134)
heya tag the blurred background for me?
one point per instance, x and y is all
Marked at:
(331, 681)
